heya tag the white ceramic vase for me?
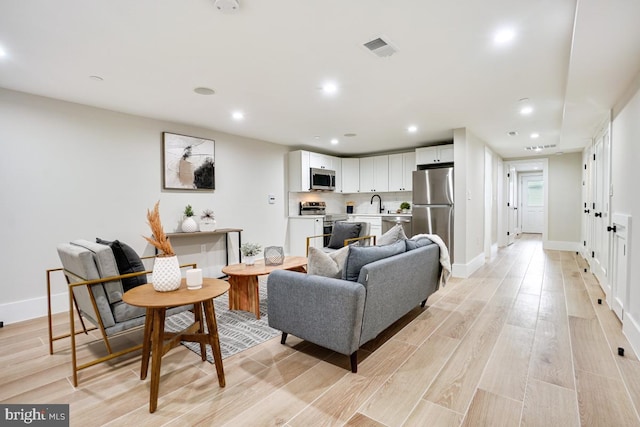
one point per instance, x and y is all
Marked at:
(208, 225)
(249, 259)
(166, 274)
(189, 225)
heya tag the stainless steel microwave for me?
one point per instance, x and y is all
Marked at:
(322, 179)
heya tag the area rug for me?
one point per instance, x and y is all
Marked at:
(238, 330)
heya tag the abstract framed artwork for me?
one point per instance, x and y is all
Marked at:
(188, 162)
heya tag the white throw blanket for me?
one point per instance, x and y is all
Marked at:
(445, 261)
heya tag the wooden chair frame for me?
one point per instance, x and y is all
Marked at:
(346, 242)
(72, 327)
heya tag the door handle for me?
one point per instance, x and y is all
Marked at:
(611, 228)
(587, 211)
(598, 214)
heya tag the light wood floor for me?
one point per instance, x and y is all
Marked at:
(523, 342)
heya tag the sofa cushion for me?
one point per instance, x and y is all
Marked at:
(127, 261)
(342, 231)
(326, 264)
(359, 256)
(417, 243)
(392, 235)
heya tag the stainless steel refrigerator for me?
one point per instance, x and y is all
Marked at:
(433, 203)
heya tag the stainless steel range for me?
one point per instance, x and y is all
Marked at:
(320, 208)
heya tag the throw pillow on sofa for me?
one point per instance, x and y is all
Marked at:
(359, 256)
(321, 263)
(127, 261)
(414, 243)
(342, 231)
(392, 235)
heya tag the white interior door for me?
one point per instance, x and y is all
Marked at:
(532, 202)
(586, 199)
(512, 206)
(600, 211)
(619, 264)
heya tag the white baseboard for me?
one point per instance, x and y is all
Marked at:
(561, 246)
(631, 330)
(19, 311)
(466, 270)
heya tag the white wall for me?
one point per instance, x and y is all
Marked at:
(469, 202)
(565, 199)
(70, 171)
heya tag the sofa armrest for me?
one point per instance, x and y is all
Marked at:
(322, 310)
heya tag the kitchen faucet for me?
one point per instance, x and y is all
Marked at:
(380, 207)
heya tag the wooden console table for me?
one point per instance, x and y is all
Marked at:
(217, 232)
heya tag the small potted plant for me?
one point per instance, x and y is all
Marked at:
(249, 252)
(207, 220)
(189, 225)
(405, 206)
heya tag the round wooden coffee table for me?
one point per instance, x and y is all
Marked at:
(244, 294)
(156, 304)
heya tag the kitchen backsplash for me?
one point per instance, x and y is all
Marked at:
(337, 202)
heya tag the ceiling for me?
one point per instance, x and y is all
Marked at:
(572, 60)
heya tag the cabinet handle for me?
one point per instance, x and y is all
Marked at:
(598, 214)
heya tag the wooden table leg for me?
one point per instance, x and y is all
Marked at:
(214, 340)
(244, 294)
(156, 355)
(146, 343)
(197, 312)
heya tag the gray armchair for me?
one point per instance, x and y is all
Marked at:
(95, 290)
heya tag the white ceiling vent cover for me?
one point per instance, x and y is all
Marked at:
(380, 47)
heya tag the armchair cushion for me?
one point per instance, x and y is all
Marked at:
(327, 264)
(342, 231)
(127, 261)
(392, 235)
(361, 255)
(106, 266)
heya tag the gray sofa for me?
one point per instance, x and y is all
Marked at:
(342, 314)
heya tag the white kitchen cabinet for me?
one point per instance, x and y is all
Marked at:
(321, 161)
(401, 167)
(434, 154)
(301, 227)
(374, 174)
(336, 165)
(350, 175)
(299, 171)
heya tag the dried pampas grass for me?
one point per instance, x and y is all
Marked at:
(158, 238)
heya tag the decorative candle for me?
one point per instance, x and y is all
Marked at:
(194, 278)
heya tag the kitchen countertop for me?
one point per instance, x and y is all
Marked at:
(382, 214)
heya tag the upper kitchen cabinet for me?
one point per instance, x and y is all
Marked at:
(434, 154)
(350, 175)
(374, 174)
(336, 165)
(299, 171)
(401, 167)
(322, 161)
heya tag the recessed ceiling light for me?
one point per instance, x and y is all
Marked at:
(238, 115)
(504, 36)
(3, 52)
(204, 91)
(96, 78)
(334, 141)
(534, 135)
(412, 129)
(329, 88)
(526, 110)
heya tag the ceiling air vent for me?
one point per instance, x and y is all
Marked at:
(539, 147)
(380, 47)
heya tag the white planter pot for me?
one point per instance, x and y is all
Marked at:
(249, 259)
(189, 225)
(208, 225)
(166, 274)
